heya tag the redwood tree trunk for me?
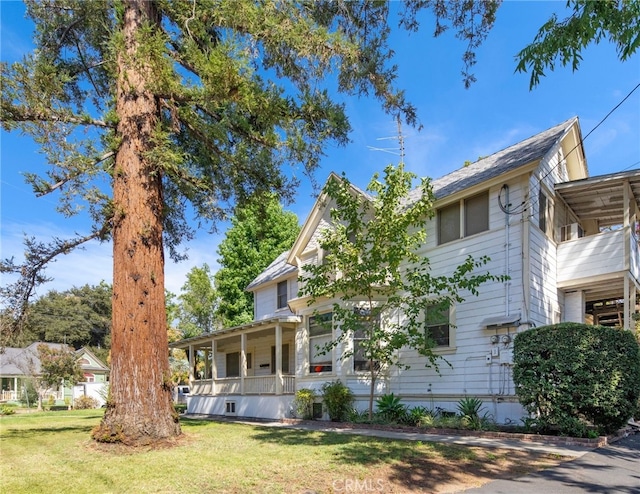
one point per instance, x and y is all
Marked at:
(140, 410)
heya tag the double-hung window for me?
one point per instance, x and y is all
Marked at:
(320, 334)
(438, 325)
(463, 218)
(545, 214)
(360, 338)
(282, 295)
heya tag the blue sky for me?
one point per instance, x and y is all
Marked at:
(458, 125)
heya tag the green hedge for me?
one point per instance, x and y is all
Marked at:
(574, 376)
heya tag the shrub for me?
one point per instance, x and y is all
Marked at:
(29, 396)
(7, 410)
(569, 373)
(417, 414)
(337, 399)
(85, 403)
(470, 409)
(390, 408)
(358, 416)
(303, 403)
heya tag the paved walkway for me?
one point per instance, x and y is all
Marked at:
(611, 469)
(614, 468)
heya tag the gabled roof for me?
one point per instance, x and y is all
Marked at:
(511, 158)
(313, 219)
(279, 268)
(96, 364)
(24, 361)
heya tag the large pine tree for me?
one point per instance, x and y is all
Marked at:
(186, 107)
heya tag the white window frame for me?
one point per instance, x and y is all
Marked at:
(326, 364)
(355, 339)
(451, 324)
(462, 211)
(282, 298)
(545, 213)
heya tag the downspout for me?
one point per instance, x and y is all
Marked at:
(507, 282)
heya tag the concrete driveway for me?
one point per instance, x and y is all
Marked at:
(611, 469)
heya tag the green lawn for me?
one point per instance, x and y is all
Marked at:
(52, 452)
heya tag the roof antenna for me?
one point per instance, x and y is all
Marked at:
(399, 151)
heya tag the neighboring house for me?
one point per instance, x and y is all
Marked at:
(568, 243)
(19, 365)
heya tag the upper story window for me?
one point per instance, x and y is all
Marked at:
(545, 213)
(476, 214)
(320, 333)
(469, 216)
(438, 325)
(282, 295)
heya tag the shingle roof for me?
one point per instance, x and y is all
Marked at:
(508, 159)
(275, 270)
(23, 361)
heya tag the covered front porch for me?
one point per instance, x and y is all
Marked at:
(253, 359)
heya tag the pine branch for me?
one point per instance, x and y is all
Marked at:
(38, 255)
(11, 113)
(46, 188)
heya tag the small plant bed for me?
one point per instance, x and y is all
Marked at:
(470, 419)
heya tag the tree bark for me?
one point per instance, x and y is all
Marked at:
(139, 409)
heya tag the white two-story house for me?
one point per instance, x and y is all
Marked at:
(567, 242)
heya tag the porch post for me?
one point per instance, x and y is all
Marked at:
(278, 372)
(626, 215)
(627, 302)
(214, 367)
(243, 360)
(191, 370)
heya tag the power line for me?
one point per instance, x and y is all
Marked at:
(533, 201)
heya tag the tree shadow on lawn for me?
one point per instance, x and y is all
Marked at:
(10, 433)
(415, 464)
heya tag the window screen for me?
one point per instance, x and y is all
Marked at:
(282, 294)
(476, 214)
(449, 223)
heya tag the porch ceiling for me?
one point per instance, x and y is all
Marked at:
(204, 341)
(600, 198)
(603, 290)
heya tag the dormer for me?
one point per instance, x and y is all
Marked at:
(273, 289)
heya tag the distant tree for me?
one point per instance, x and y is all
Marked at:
(47, 369)
(374, 267)
(563, 41)
(77, 317)
(59, 366)
(197, 304)
(152, 112)
(260, 231)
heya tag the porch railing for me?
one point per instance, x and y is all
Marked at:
(252, 385)
(593, 255)
(8, 395)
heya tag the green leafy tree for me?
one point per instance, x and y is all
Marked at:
(260, 231)
(77, 317)
(148, 110)
(197, 304)
(375, 269)
(563, 40)
(59, 366)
